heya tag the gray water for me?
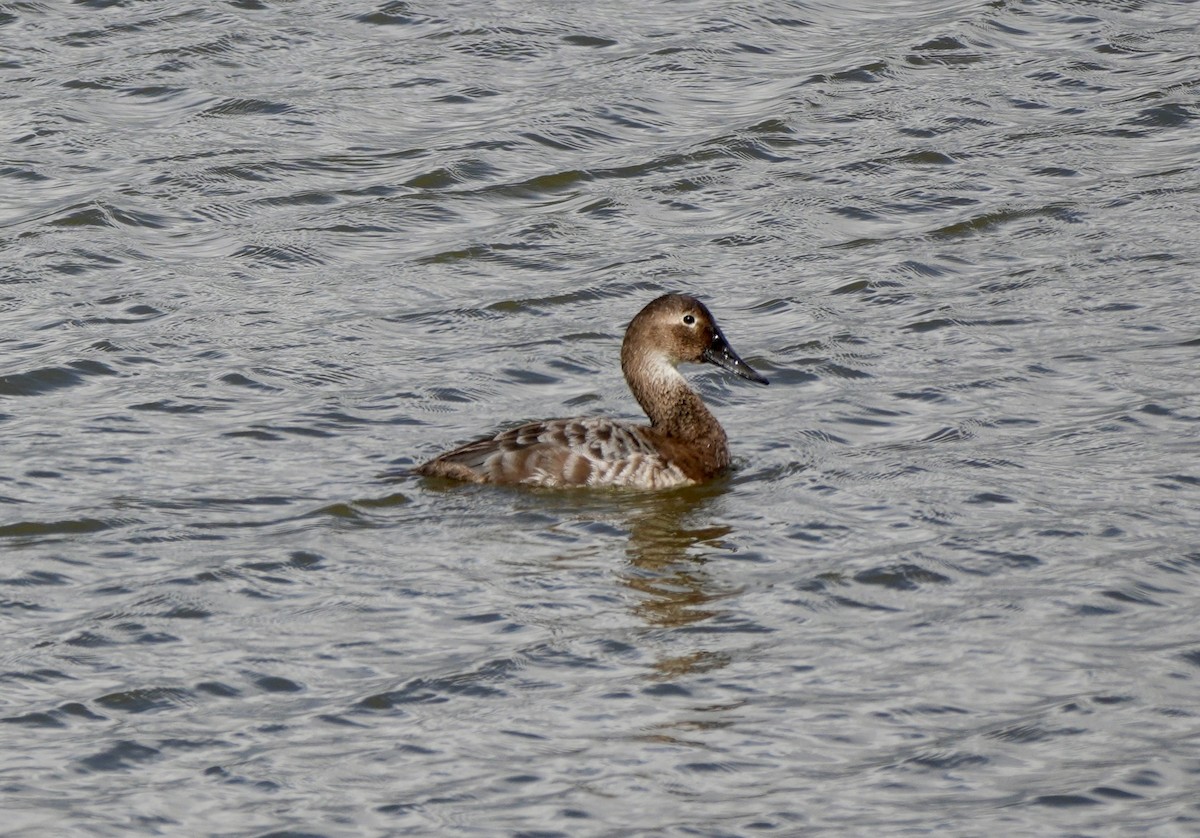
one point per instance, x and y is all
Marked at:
(259, 259)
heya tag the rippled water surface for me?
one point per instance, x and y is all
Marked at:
(258, 259)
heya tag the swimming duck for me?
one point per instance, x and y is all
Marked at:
(684, 444)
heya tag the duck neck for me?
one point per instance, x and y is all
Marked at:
(674, 408)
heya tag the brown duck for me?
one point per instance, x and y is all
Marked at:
(684, 444)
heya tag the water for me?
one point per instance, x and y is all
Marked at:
(260, 259)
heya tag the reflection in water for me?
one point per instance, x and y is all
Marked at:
(669, 539)
(666, 568)
(663, 566)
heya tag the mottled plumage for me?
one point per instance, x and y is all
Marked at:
(684, 443)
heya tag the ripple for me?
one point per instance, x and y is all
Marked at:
(122, 756)
(395, 13)
(435, 690)
(45, 529)
(143, 700)
(234, 107)
(900, 577)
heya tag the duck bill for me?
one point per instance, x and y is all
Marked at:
(719, 352)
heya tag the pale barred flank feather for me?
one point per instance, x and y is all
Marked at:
(560, 453)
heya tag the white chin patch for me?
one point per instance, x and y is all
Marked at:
(662, 370)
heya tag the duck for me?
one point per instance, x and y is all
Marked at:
(684, 444)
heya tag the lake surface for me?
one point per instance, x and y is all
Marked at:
(259, 259)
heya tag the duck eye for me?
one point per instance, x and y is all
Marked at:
(689, 319)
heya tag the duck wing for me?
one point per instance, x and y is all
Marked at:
(561, 453)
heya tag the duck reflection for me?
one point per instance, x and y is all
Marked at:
(671, 539)
(667, 556)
